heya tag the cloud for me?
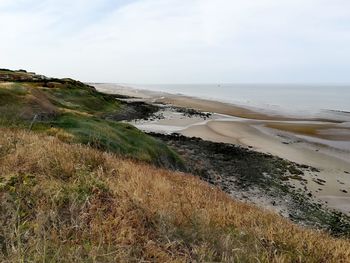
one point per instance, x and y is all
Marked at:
(172, 41)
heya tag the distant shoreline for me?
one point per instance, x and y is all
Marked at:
(287, 99)
(323, 143)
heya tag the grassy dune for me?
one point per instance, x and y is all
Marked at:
(75, 187)
(71, 203)
(76, 112)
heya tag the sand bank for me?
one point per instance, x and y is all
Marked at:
(323, 143)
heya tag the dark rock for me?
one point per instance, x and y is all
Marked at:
(132, 111)
(340, 182)
(319, 181)
(192, 112)
(242, 170)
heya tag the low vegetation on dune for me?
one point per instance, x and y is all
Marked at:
(76, 112)
(79, 185)
(71, 203)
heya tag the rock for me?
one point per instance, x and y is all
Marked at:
(319, 181)
(256, 176)
(340, 182)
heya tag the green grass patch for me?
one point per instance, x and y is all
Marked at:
(11, 94)
(115, 137)
(78, 115)
(84, 100)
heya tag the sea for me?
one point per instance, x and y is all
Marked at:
(276, 97)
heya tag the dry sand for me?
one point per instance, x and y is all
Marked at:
(323, 143)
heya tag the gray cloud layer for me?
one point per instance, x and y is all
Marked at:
(179, 41)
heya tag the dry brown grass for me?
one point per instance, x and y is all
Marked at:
(70, 203)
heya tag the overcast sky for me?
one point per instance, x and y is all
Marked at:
(179, 41)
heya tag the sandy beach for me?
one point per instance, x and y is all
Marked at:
(322, 141)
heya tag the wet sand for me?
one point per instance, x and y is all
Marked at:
(332, 166)
(329, 131)
(240, 111)
(323, 143)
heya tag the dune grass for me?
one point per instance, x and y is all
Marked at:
(75, 112)
(72, 203)
(111, 136)
(84, 100)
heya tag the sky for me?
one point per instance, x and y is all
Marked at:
(179, 41)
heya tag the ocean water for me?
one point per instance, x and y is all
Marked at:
(289, 98)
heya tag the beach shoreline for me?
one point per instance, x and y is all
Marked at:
(323, 143)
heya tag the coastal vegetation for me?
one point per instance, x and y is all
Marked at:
(79, 185)
(76, 112)
(71, 203)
